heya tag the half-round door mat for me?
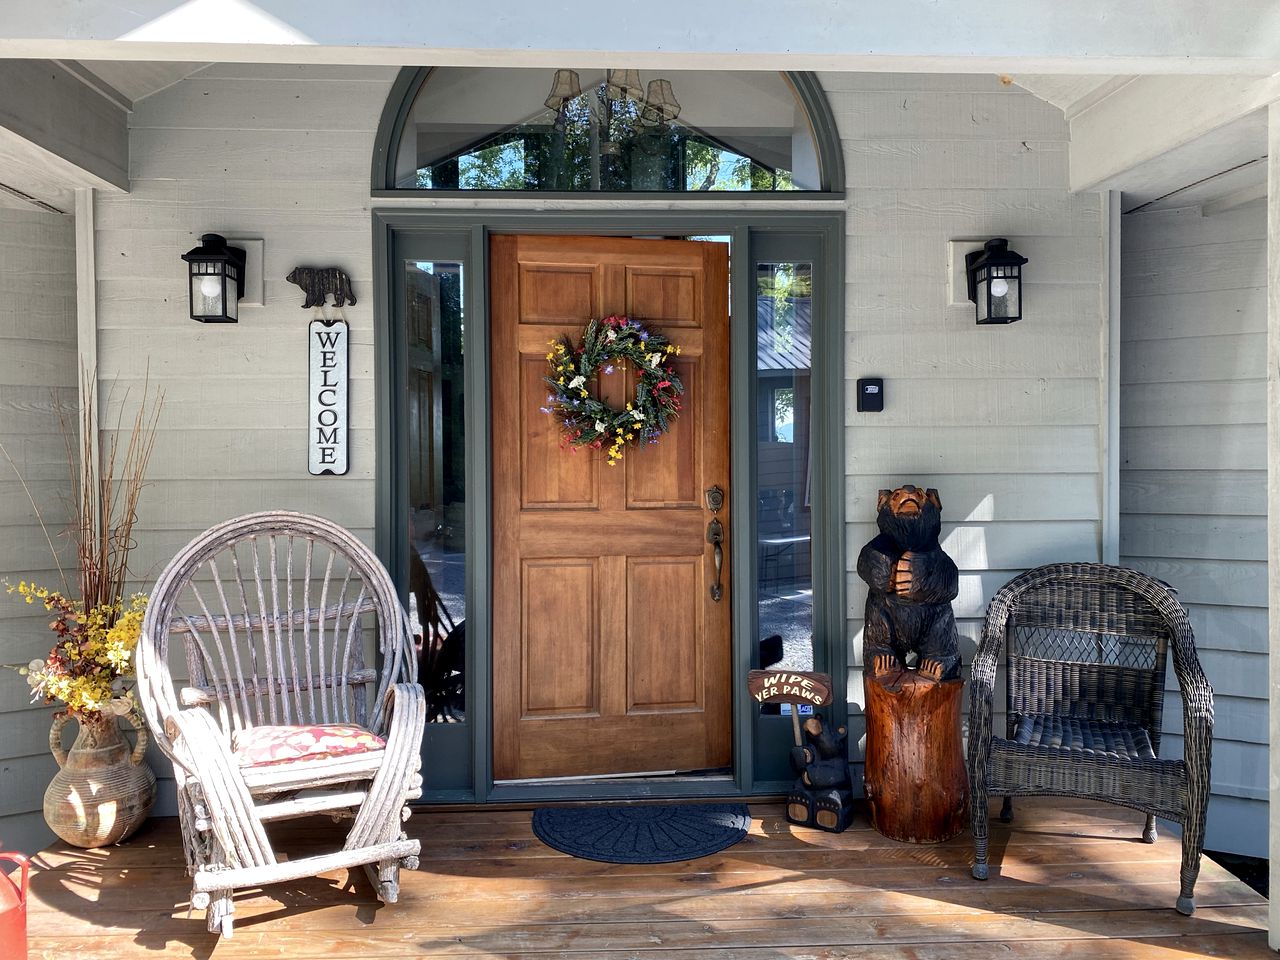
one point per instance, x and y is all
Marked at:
(642, 833)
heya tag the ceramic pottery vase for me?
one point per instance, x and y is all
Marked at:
(104, 790)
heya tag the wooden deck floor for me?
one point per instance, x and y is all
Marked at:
(1069, 881)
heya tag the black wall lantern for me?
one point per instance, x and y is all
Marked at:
(217, 280)
(995, 282)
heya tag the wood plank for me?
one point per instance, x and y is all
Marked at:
(872, 302)
(384, 939)
(1231, 265)
(23, 779)
(240, 454)
(79, 890)
(905, 451)
(964, 211)
(1242, 629)
(963, 899)
(1220, 447)
(1065, 882)
(1164, 316)
(286, 155)
(1238, 583)
(1063, 258)
(206, 102)
(994, 164)
(1189, 227)
(1185, 403)
(946, 115)
(1021, 352)
(1194, 359)
(1005, 402)
(980, 497)
(1211, 492)
(1192, 537)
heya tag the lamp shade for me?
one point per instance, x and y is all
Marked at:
(216, 280)
(624, 85)
(995, 282)
(661, 105)
(565, 86)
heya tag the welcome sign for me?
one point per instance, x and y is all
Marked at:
(327, 426)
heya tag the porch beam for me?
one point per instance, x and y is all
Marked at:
(1273, 503)
(1048, 36)
(74, 134)
(1151, 117)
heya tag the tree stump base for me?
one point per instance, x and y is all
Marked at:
(916, 784)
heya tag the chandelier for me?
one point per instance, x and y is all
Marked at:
(657, 102)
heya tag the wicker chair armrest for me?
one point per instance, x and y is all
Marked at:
(986, 661)
(1197, 692)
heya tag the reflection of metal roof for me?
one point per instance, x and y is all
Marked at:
(787, 348)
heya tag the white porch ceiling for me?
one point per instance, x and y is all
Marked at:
(1070, 93)
(1223, 165)
(138, 79)
(1038, 36)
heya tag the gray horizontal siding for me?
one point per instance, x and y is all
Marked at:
(1193, 478)
(37, 374)
(1004, 421)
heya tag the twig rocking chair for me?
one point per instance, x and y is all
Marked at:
(278, 716)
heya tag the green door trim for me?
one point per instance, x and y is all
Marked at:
(463, 235)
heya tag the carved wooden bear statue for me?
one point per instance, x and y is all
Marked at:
(823, 794)
(912, 585)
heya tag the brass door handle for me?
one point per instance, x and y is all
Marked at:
(715, 536)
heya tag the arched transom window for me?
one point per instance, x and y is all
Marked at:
(582, 130)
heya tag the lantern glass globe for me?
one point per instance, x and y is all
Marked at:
(999, 287)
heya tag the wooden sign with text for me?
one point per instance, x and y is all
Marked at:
(327, 426)
(785, 686)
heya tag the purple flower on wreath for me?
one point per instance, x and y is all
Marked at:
(546, 410)
(608, 368)
(644, 335)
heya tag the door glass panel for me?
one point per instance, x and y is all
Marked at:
(784, 565)
(437, 493)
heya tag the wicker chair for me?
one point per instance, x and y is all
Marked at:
(275, 611)
(1085, 649)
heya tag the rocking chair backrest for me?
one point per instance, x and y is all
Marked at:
(1086, 646)
(274, 611)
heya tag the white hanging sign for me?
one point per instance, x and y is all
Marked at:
(327, 426)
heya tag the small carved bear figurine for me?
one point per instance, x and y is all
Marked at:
(320, 282)
(912, 585)
(823, 794)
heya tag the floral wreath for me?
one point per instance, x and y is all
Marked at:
(589, 422)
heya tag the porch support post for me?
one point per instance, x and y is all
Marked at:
(1273, 500)
(1111, 381)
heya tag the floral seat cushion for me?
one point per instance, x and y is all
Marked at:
(262, 746)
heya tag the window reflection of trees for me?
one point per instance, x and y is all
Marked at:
(594, 142)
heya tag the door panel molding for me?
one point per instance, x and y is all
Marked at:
(601, 700)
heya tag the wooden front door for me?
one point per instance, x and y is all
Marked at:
(609, 654)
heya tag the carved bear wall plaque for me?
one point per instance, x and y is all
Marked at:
(912, 583)
(321, 282)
